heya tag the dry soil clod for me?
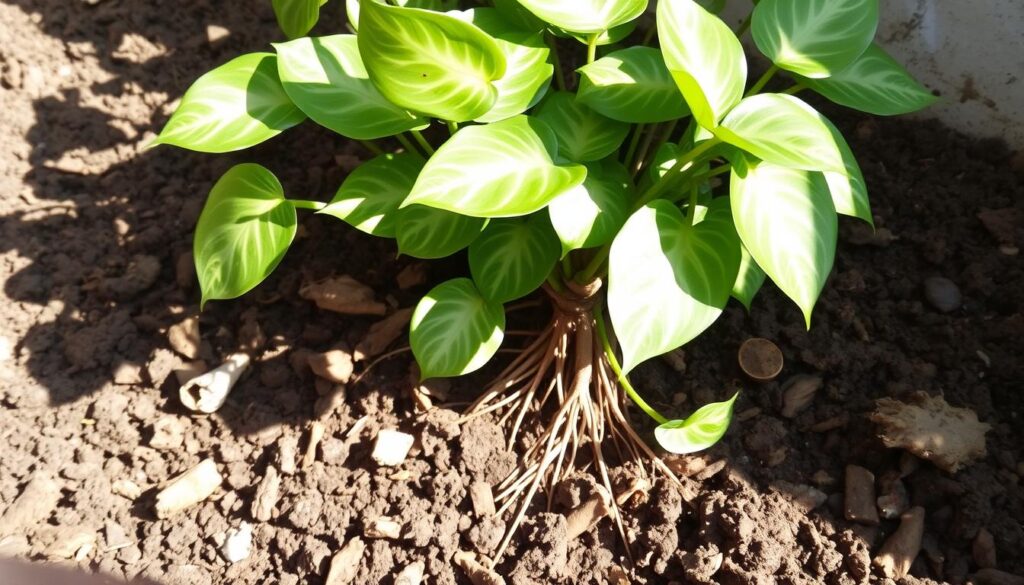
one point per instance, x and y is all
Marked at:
(334, 365)
(477, 572)
(184, 337)
(343, 294)
(587, 515)
(384, 527)
(208, 392)
(900, 549)
(482, 497)
(930, 428)
(391, 447)
(267, 493)
(859, 502)
(760, 359)
(33, 506)
(188, 489)
(345, 563)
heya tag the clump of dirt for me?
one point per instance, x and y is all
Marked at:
(96, 232)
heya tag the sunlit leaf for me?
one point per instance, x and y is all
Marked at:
(631, 85)
(699, 431)
(513, 256)
(849, 191)
(502, 169)
(583, 134)
(297, 17)
(749, 280)
(455, 330)
(352, 7)
(369, 197)
(235, 106)
(428, 233)
(243, 232)
(589, 215)
(586, 16)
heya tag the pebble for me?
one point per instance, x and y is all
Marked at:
(983, 549)
(859, 503)
(383, 527)
(411, 575)
(238, 544)
(345, 563)
(900, 549)
(391, 447)
(942, 294)
(126, 488)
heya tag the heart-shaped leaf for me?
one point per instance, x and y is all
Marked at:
(586, 16)
(369, 197)
(513, 257)
(325, 77)
(784, 130)
(235, 106)
(699, 431)
(668, 280)
(632, 85)
(527, 71)
(428, 233)
(749, 280)
(503, 169)
(455, 330)
(875, 83)
(430, 62)
(352, 7)
(815, 38)
(583, 134)
(243, 232)
(787, 221)
(590, 214)
(705, 59)
(297, 17)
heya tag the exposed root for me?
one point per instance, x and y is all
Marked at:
(563, 382)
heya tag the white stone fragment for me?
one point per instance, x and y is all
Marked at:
(391, 447)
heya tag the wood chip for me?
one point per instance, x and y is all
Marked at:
(267, 493)
(900, 549)
(343, 294)
(482, 497)
(859, 502)
(188, 489)
(345, 563)
(585, 516)
(798, 393)
(930, 428)
(316, 434)
(476, 571)
(412, 275)
(382, 334)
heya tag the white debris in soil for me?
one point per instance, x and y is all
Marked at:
(189, 488)
(238, 544)
(208, 392)
(930, 428)
(391, 447)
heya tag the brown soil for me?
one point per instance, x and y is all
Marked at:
(92, 233)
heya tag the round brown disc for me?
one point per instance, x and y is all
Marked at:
(760, 359)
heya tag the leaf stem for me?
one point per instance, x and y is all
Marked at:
(665, 135)
(559, 73)
(763, 81)
(306, 204)
(423, 142)
(554, 282)
(654, 190)
(453, 127)
(797, 88)
(645, 147)
(633, 143)
(592, 47)
(623, 380)
(408, 145)
(372, 147)
(692, 211)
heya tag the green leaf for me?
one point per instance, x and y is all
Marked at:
(700, 431)
(705, 59)
(515, 15)
(815, 38)
(430, 62)
(583, 134)
(428, 233)
(608, 37)
(875, 83)
(513, 257)
(297, 17)
(352, 7)
(243, 232)
(669, 280)
(454, 330)
(325, 77)
(631, 85)
(369, 197)
(787, 221)
(590, 214)
(849, 191)
(784, 130)
(503, 169)
(749, 280)
(527, 73)
(235, 106)
(586, 16)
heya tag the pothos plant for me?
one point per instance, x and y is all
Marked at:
(640, 191)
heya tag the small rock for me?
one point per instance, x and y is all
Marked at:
(798, 393)
(983, 549)
(238, 544)
(126, 488)
(15, 545)
(267, 493)
(942, 294)
(345, 564)
(411, 574)
(335, 365)
(35, 504)
(482, 497)
(188, 489)
(128, 374)
(184, 337)
(383, 527)
(334, 450)
(900, 549)
(859, 502)
(216, 33)
(391, 447)
(287, 451)
(116, 536)
(168, 433)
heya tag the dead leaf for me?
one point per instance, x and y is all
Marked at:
(343, 294)
(382, 334)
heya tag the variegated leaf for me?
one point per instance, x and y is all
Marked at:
(699, 431)
(513, 257)
(454, 330)
(369, 197)
(428, 233)
(583, 134)
(586, 16)
(632, 85)
(590, 214)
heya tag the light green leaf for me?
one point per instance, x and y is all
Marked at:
(515, 15)
(243, 232)
(749, 280)
(875, 83)
(705, 58)
(428, 233)
(589, 215)
(352, 7)
(235, 106)
(527, 73)
(369, 197)
(787, 221)
(513, 257)
(297, 17)
(503, 169)
(700, 431)
(608, 37)
(784, 130)
(586, 16)
(325, 77)
(583, 134)
(430, 62)
(669, 280)
(454, 330)
(849, 191)
(815, 38)
(631, 85)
